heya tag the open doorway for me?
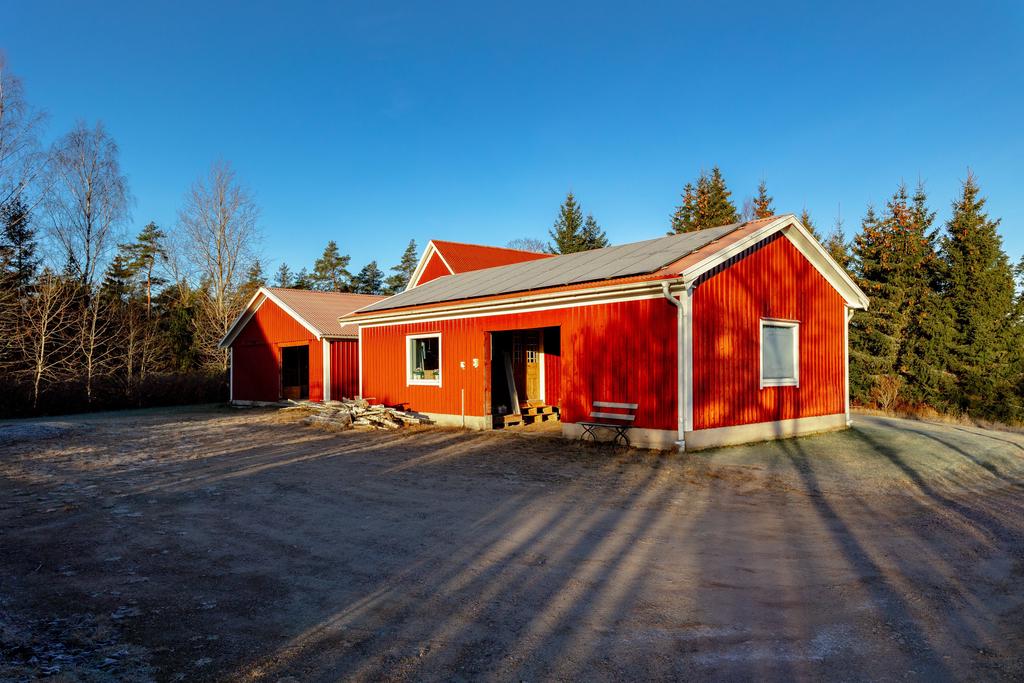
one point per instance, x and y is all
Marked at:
(525, 375)
(295, 372)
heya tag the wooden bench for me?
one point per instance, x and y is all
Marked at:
(614, 422)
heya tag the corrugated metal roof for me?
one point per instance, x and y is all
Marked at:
(637, 258)
(322, 309)
(463, 258)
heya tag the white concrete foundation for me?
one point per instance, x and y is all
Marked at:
(763, 431)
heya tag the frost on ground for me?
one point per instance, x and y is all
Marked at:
(218, 545)
(35, 431)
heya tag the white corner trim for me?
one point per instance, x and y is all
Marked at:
(231, 374)
(846, 362)
(359, 350)
(428, 251)
(786, 382)
(326, 343)
(687, 301)
(409, 381)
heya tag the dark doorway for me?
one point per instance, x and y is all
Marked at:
(295, 372)
(525, 375)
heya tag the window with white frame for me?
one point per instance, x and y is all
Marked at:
(780, 353)
(423, 359)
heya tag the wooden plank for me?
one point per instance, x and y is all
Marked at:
(613, 416)
(609, 404)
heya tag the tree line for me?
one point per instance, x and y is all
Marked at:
(945, 328)
(92, 317)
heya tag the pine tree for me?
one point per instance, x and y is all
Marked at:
(283, 278)
(369, 280)
(763, 203)
(706, 205)
(808, 222)
(18, 244)
(330, 271)
(144, 254)
(404, 270)
(593, 236)
(979, 286)
(567, 232)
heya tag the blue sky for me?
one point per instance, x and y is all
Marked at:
(375, 123)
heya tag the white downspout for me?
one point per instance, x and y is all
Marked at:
(680, 360)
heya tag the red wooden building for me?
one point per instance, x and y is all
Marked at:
(287, 344)
(442, 258)
(725, 335)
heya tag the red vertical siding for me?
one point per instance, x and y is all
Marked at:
(612, 352)
(257, 355)
(344, 368)
(552, 367)
(772, 281)
(434, 269)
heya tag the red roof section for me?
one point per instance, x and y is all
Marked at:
(462, 258)
(322, 309)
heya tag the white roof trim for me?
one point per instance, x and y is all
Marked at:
(243, 319)
(805, 243)
(429, 251)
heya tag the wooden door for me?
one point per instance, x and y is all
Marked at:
(531, 345)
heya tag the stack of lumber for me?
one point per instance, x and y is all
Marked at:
(355, 413)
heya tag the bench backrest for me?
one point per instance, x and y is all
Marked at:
(600, 412)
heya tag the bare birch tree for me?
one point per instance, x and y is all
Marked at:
(88, 204)
(88, 199)
(45, 336)
(21, 159)
(220, 233)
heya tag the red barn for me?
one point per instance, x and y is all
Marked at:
(719, 336)
(442, 258)
(287, 344)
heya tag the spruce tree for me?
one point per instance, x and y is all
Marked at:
(593, 237)
(283, 278)
(706, 205)
(685, 215)
(330, 271)
(254, 279)
(303, 280)
(979, 287)
(369, 280)
(763, 202)
(901, 337)
(404, 270)
(805, 218)
(567, 232)
(117, 280)
(835, 244)
(18, 244)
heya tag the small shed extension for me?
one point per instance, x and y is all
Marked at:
(442, 258)
(287, 344)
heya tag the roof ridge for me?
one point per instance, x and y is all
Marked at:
(491, 246)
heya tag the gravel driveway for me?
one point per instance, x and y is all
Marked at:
(213, 544)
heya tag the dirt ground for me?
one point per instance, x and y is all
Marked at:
(213, 544)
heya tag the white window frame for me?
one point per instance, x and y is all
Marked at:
(793, 381)
(409, 379)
